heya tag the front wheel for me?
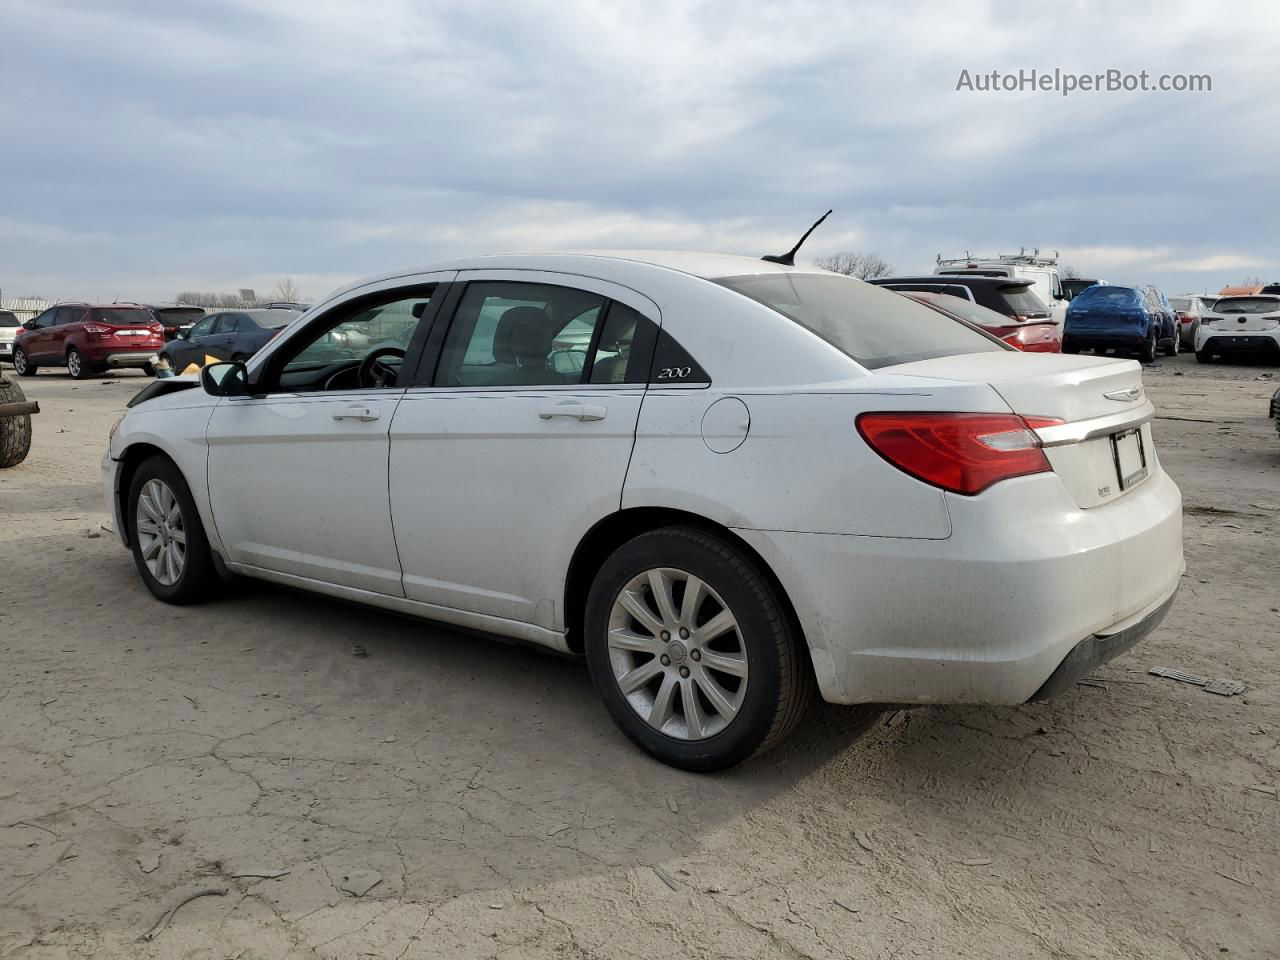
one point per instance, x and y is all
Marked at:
(693, 652)
(22, 364)
(170, 548)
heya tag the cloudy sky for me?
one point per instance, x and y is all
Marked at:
(152, 147)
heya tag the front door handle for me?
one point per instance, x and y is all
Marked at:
(364, 414)
(578, 411)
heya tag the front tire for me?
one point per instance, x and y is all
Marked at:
(170, 548)
(22, 364)
(76, 366)
(693, 651)
(1204, 356)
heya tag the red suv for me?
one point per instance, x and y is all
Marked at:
(88, 339)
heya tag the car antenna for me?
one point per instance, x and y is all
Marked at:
(788, 259)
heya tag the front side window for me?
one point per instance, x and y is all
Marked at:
(204, 327)
(876, 331)
(508, 334)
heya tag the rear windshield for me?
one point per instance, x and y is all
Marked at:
(1113, 296)
(9, 320)
(1181, 304)
(179, 314)
(1247, 305)
(877, 329)
(123, 316)
(1024, 302)
(966, 309)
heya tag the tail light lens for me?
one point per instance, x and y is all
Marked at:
(961, 452)
(97, 329)
(1014, 339)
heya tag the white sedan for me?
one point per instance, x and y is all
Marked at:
(751, 481)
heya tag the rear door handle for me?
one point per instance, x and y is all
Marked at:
(364, 414)
(577, 411)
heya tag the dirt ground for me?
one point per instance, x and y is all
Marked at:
(150, 752)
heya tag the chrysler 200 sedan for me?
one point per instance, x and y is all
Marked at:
(749, 483)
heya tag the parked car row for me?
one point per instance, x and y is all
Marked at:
(89, 339)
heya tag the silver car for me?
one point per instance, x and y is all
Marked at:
(9, 327)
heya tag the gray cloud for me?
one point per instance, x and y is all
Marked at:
(157, 146)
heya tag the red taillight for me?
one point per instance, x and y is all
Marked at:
(961, 452)
(1186, 317)
(96, 329)
(1014, 339)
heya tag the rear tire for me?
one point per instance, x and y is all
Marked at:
(756, 669)
(1069, 347)
(1148, 352)
(175, 561)
(1173, 347)
(15, 432)
(1204, 356)
(76, 366)
(22, 364)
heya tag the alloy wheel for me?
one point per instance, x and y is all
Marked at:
(677, 654)
(20, 362)
(162, 534)
(73, 363)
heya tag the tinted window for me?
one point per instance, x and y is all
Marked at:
(64, 315)
(1181, 304)
(8, 320)
(204, 327)
(179, 315)
(230, 323)
(947, 288)
(1024, 302)
(875, 328)
(519, 334)
(270, 319)
(967, 310)
(123, 317)
(45, 319)
(1248, 305)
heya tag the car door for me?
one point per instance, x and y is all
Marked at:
(191, 350)
(64, 325)
(220, 343)
(298, 469)
(36, 343)
(518, 442)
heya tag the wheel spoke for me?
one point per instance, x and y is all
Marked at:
(620, 639)
(149, 550)
(663, 703)
(716, 694)
(147, 526)
(720, 624)
(691, 601)
(694, 721)
(730, 663)
(179, 535)
(175, 561)
(148, 505)
(634, 679)
(661, 587)
(162, 565)
(635, 605)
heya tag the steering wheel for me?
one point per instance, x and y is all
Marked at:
(374, 372)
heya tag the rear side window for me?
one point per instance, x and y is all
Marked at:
(875, 328)
(123, 317)
(1024, 302)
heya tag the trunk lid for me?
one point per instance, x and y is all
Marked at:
(1103, 449)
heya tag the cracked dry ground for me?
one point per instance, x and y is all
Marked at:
(149, 752)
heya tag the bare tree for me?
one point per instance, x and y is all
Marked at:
(1251, 282)
(1069, 273)
(286, 290)
(864, 266)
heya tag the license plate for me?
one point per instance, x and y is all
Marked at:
(1130, 457)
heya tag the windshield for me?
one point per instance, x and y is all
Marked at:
(1248, 305)
(123, 317)
(875, 328)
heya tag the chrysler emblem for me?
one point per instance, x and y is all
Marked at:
(1127, 395)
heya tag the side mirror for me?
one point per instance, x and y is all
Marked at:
(225, 379)
(29, 325)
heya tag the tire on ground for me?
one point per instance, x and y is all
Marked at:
(780, 681)
(199, 580)
(15, 432)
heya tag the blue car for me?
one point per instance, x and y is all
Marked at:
(1131, 319)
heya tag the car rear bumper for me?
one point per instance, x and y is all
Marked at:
(990, 614)
(122, 358)
(1266, 342)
